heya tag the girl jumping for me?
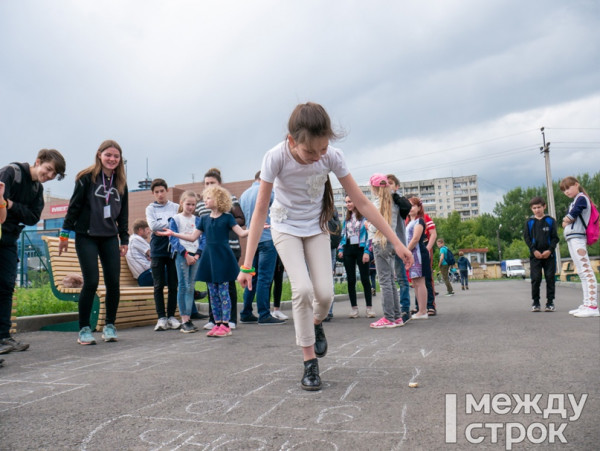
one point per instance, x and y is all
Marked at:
(298, 169)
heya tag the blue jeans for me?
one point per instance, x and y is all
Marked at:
(402, 280)
(264, 262)
(145, 279)
(186, 280)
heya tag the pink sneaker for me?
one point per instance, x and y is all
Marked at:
(211, 333)
(222, 331)
(383, 323)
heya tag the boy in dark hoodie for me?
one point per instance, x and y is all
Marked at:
(24, 202)
(541, 237)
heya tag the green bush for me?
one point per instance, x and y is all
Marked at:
(41, 301)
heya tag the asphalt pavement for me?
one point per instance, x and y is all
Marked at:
(489, 373)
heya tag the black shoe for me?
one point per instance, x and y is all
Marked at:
(549, 307)
(200, 294)
(10, 344)
(198, 315)
(188, 328)
(328, 318)
(320, 341)
(535, 307)
(270, 321)
(311, 380)
(1, 361)
(249, 319)
(406, 317)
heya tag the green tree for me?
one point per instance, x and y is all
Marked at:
(516, 249)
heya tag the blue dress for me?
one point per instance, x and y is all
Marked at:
(217, 263)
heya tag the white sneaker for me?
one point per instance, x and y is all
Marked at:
(587, 312)
(370, 313)
(173, 323)
(209, 325)
(162, 324)
(354, 313)
(231, 325)
(279, 315)
(576, 310)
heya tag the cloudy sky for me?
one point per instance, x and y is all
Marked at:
(423, 89)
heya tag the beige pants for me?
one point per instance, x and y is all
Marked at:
(307, 261)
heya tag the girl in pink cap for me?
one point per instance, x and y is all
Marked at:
(384, 254)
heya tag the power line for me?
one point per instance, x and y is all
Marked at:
(462, 146)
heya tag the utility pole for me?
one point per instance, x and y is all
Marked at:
(545, 149)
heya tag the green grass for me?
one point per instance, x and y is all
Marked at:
(41, 301)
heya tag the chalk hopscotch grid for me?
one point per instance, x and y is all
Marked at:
(228, 403)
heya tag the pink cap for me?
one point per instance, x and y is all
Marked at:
(378, 180)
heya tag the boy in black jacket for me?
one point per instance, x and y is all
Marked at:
(541, 238)
(24, 202)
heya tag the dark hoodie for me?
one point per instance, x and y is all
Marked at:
(27, 197)
(543, 235)
(86, 210)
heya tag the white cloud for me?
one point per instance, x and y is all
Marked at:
(190, 85)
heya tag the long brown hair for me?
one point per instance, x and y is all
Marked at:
(95, 169)
(307, 121)
(569, 181)
(358, 214)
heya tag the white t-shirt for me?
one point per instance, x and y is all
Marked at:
(299, 188)
(187, 225)
(136, 256)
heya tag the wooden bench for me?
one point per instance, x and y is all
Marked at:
(136, 305)
(568, 272)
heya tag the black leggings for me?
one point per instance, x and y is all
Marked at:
(353, 255)
(88, 250)
(277, 283)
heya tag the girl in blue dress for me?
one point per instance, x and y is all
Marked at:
(218, 264)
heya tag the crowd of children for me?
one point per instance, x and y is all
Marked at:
(198, 240)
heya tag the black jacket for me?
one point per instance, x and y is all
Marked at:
(543, 235)
(86, 210)
(27, 199)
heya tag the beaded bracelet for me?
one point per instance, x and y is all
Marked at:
(251, 271)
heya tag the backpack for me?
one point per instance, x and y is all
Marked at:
(592, 228)
(335, 231)
(450, 257)
(530, 223)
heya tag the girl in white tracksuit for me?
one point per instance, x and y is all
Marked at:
(575, 224)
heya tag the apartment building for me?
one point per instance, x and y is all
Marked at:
(440, 196)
